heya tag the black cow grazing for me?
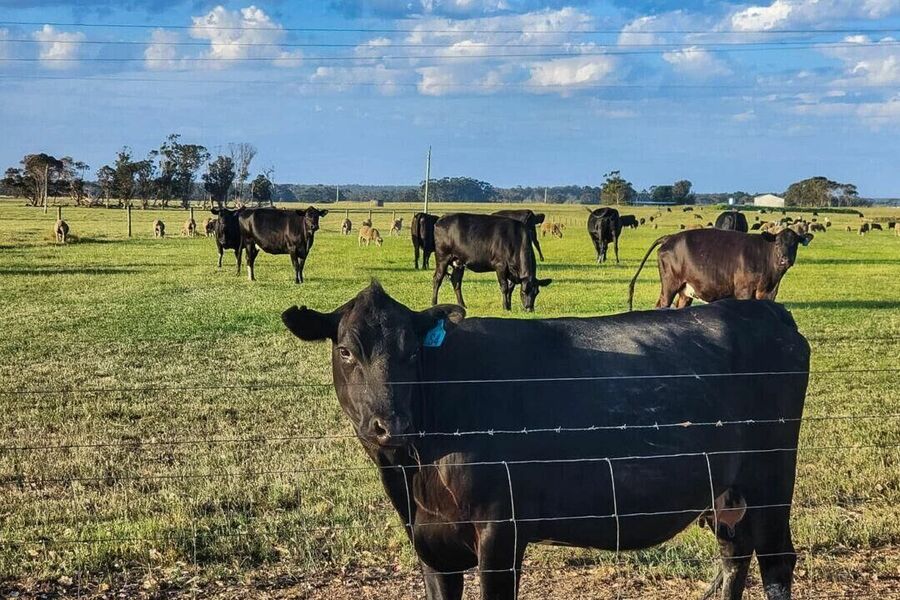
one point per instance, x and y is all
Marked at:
(228, 234)
(688, 209)
(875, 226)
(732, 220)
(604, 227)
(477, 501)
(277, 231)
(712, 264)
(485, 243)
(629, 221)
(531, 220)
(422, 233)
(643, 220)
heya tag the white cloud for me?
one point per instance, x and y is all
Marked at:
(386, 81)
(696, 62)
(868, 62)
(875, 114)
(744, 117)
(57, 49)
(782, 14)
(5, 46)
(245, 33)
(160, 54)
(572, 72)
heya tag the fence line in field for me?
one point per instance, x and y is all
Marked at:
(305, 384)
(212, 441)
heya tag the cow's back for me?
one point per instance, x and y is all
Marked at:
(273, 230)
(482, 240)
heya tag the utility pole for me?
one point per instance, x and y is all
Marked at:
(545, 195)
(337, 193)
(427, 177)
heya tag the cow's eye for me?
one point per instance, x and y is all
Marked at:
(346, 355)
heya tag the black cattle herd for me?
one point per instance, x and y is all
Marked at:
(709, 264)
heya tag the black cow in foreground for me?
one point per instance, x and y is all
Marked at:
(732, 220)
(278, 231)
(422, 232)
(487, 243)
(472, 500)
(531, 220)
(605, 228)
(712, 264)
(227, 232)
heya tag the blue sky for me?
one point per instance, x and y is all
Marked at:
(732, 95)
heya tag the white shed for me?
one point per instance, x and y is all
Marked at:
(769, 200)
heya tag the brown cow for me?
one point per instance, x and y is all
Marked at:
(61, 230)
(369, 235)
(189, 228)
(711, 264)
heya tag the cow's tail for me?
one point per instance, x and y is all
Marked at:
(640, 267)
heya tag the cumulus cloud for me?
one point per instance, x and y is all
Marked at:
(58, 49)
(455, 9)
(245, 33)
(868, 62)
(781, 14)
(696, 62)
(571, 73)
(160, 54)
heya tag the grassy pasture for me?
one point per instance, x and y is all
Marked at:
(85, 324)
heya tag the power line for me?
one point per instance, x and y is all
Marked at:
(460, 31)
(462, 56)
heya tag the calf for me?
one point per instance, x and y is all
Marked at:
(604, 227)
(209, 227)
(818, 227)
(408, 379)
(189, 228)
(422, 234)
(396, 226)
(530, 219)
(876, 226)
(554, 229)
(711, 264)
(159, 229)
(275, 231)
(346, 227)
(369, 234)
(227, 233)
(485, 243)
(629, 221)
(61, 231)
(863, 229)
(732, 220)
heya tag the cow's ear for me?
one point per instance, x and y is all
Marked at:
(806, 239)
(767, 236)
(539, 218)
(322, 213)
(311, 325)
(426, 320)
(214, 211)
(543, 282)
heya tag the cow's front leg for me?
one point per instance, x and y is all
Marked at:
(301, 262)
(296, 264)
(505, 290)
(237, 257)
(221, 252)
(440, 586)
(616, 247)
(456, 279)
(499, 561)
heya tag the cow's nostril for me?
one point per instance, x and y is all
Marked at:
(380, 430)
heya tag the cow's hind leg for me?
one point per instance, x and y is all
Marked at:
(616, 247)
(737, 551)
(775, 551)
(416, 259)
(682, 300)
(440, 271)
(440, 586)
(456, 279)
(252, 251)
(238, 252)
(221, 252)
(426, 258)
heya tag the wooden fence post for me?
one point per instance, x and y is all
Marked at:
(128, 212)
(59, 213)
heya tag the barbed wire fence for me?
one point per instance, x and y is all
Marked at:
(30, 459)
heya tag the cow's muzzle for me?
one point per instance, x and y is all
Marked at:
(392, 433)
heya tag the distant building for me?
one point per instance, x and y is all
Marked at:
(769, 200)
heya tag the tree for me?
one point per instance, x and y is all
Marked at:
(106, 180)
(124, 171)
(662, 193)
(681, 192)
(39, 175)
(616, 190)
(242, 155)
(73, 176)
(458, 189)
(218, 179)
(821, 191)
(178, 167)
(261, 190)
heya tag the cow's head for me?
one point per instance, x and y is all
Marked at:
(375, 344)
(226, 221)
(311, 218)
(530, 288)
(537, 219)
(786, 242)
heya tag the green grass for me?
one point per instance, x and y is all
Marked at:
(111, 313)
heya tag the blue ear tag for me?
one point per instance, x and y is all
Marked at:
(435, 336)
